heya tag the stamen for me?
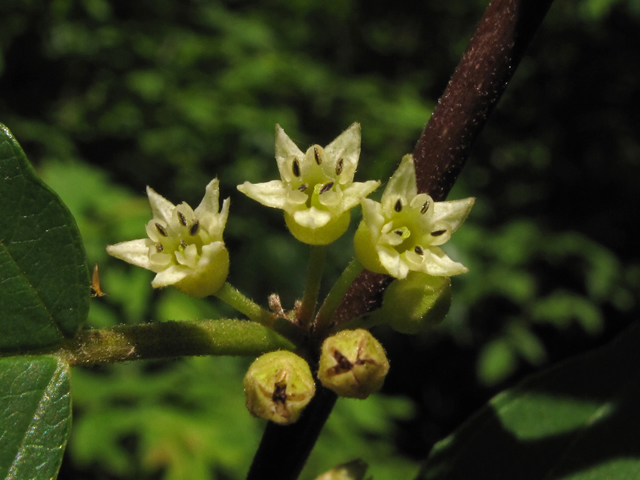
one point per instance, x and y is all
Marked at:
(316, 154)
(162, 230)
(159, 247)
(326, 188)
(280, 393)
(296, 167)
(425, 207)
(418, 250)
(437, 233)
(339, 166)
(398, 206)
(195, 227)
(182, 219)
(398, 232)
(183, 244)
(303, 187)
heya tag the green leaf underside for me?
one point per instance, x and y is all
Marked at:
(35, 416)
(44, 279)
(578, 420)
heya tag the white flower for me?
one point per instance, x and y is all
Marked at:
(404, 231)
(316, 190)
(185, 246)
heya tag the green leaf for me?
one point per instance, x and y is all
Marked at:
(35, 416)
(578, 420)
(44, 279)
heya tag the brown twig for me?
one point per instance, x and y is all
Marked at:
(504, 33)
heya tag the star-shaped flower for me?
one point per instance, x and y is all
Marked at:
(316, 190)
(404, 231)
(185, 246)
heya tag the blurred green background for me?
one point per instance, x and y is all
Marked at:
(108, 97)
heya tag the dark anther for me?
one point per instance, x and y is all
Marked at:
(303, 187)
(195, 227)
(296, 168)
(398, 206)
(344, 365)
(437, 233)
(183, 244)
(425, 207)
(316, 154)
(159, 248)
(162, 230)
(398, 232)
(339, 166)
(418, 250)
(183, 219)
(326, 187)
(280, 393)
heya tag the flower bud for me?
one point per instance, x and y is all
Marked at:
(353, 364)
(414, 304)
(353, 470)
(278, 385)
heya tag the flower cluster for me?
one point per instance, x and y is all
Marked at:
(399, 236)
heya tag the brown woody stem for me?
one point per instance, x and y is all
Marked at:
(504, 33)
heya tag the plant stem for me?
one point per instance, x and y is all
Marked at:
(490, 60)
(335, 296)
(284, 449)
(312, 284)
(232, 297)
(171, 339)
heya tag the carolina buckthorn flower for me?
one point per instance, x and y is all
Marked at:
(403, 232)
(353, 364)
(278, 386)
(316, 190)
(185, 246)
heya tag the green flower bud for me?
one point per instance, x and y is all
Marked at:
(353, 364)
(353, 470)
(414, 304)
(278, 385)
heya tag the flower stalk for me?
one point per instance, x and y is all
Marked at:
(234, 298)
(312, 285)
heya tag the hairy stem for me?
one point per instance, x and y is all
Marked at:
(492, 56)
(234, 298)
(171, 339)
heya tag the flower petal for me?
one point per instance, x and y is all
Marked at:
(285, 146)
(170, 276)
(402, 183)
(453, 212)
(437, 263)
(160, 206)
(211, 199)
(312, 218)
(390, 259)
(272, 194)
(135, 252)
(372, 216)
(346, 147)
(355, 192)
